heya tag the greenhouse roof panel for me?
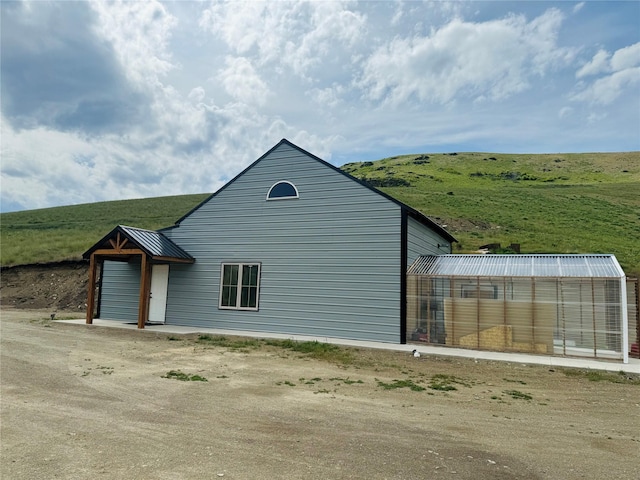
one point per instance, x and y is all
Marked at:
(580, 266)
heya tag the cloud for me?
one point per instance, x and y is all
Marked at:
(117, 99)
(621, 73)
(627, 57)
(298, 35)
(56, 73)
(598, 64)
(139, 33)
(493, 59)
(242, 82)
(607, 89)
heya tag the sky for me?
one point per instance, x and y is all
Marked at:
(118, 100)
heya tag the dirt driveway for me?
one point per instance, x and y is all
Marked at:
(87, 402)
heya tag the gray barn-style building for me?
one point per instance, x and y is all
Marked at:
(291, 245)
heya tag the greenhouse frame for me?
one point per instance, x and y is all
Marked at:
(572, 305)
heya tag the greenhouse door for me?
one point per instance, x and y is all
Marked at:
(158, 294)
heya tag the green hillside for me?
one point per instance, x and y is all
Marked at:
(560, 203)
(65, 233)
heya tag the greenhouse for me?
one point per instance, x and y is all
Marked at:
(573, 305)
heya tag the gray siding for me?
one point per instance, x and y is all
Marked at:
(422, 239)
(119, 291)
(330, 259)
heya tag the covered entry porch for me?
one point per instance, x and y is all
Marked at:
(151, 249)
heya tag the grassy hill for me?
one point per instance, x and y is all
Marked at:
(560, 203)
(65, 233)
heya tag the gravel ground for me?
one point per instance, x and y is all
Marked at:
(83, 402)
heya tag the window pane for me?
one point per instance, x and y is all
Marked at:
(229, 295)
(248, 297)
(250, 275)
(230, 276)
(283, 190)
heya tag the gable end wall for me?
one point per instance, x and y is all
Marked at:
(330, 259)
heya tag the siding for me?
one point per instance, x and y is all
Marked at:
(120, 290)
(421, 239)
(330, 259)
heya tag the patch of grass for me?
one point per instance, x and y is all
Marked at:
(410, 384)
(286, 382)
(601, 376)
(446, 383)
(314, 349)
(518, 395)
(184, 377)
(222, 341)
(346, 381)
(514, 381)
(311, 381)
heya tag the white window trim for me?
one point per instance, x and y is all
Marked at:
(297, 195)
(241, 266)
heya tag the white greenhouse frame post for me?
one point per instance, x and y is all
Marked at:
(625, 319)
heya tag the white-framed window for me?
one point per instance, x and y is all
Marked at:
(239, 286)
(282, 190)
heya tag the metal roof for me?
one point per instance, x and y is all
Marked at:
(578, 266)
(153, 243)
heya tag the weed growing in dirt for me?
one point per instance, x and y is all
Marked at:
(322, 351)
(514, 381)
(446, 383)
(600, 376)
(311, 381)
(518, 395)
(286, 382)
(221, 341)
(346, 381)
(401, 384)
(185, 377)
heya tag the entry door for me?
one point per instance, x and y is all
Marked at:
(158, 299)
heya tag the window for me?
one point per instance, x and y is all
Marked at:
(282, 190)
(479, 291)
(239, 286)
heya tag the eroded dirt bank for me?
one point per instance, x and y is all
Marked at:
(59, 286)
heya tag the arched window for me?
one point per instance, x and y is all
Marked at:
(282, 190)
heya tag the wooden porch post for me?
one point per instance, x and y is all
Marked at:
(145, 288)
(91, 294)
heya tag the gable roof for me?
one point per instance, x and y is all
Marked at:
(420, 217)
(153, 243)
(549, 265)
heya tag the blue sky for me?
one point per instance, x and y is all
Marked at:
(114, 100)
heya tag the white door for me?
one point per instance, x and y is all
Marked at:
(158, 299)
